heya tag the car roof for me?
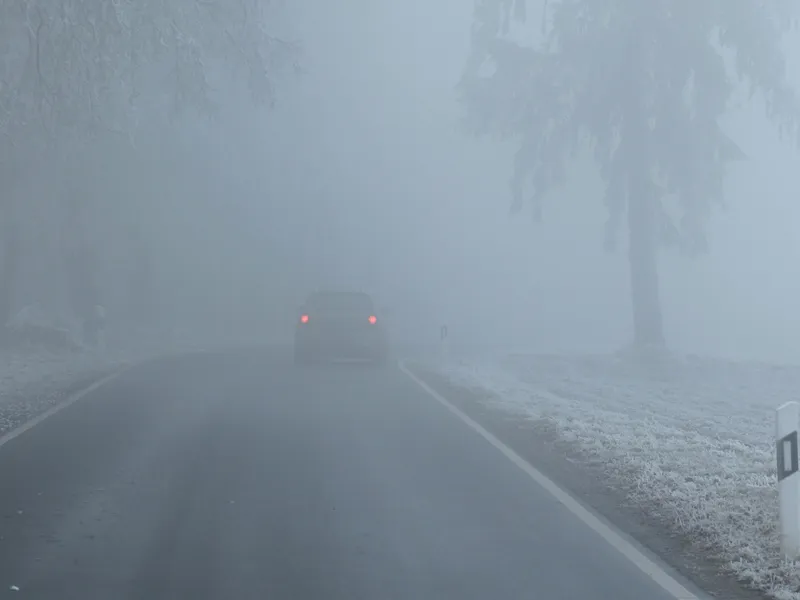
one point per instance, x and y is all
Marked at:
(339, 296)
(338, 293)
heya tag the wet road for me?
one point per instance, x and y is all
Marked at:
(239, 476)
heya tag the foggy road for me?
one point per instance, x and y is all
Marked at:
(240, 476)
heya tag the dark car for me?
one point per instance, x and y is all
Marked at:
(340, 325)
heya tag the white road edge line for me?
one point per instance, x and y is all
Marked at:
(664, 580)
(69, 401)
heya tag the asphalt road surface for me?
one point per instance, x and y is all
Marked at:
(240, 476)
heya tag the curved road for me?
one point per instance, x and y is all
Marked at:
(239, 477)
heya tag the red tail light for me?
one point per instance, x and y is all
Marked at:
(304, 318)
(373, 319)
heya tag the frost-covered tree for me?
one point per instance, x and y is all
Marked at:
(643, 85)
(72, 71)
(84, 67)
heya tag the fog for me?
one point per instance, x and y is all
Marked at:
(361, 176)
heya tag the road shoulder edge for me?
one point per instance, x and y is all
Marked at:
(70, 399)
(555, 470)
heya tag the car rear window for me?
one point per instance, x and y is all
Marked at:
(340, 302)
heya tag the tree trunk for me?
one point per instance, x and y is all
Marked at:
(141, 282)
(648, 325)
(643, 238)
(10, 260)
(79, 259)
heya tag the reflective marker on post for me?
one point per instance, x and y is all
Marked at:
(787, 422)
(787, 455)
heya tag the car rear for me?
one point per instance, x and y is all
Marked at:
(340, 325)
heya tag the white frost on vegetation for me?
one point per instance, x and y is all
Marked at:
(691, 439)
(38, 370)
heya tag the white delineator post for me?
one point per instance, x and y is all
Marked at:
(444, 343)
(787, 423)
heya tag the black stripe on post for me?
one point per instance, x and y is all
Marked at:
(787, 455)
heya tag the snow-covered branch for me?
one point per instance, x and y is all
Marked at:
(76, 67)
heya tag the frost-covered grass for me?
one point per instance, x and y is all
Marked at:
(33, 379)
(35, 376)
(690, 439)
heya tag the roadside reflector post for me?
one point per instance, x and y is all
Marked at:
(444, 343)
(786, 425)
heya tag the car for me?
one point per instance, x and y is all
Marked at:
(335, 324)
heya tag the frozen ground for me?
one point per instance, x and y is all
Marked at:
(31, 381)
(691, 439)
(35, 377)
